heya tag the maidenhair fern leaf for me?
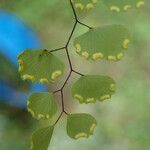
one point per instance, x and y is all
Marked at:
(80, 125)
(41, 138)
(105, 42)
(39, 66)
(90, 88)
(84, 5)
(123, 5)
(42, 105)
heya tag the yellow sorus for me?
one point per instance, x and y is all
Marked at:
(112, 58)
(94, 1)
(20, 69)
(28, 77)
(119, 56)
(89, 6)
(90, 100)
(97, 56)
(92, 128)
(85, 55)
(55, 75)
(139, 4)
(20, 62)
(47, 116)
(40, 116)
(79, 6)
(78, 48)
(115, 8)
(126, 43)
(82, 134)
(31, 111)
(105, 97)
(43, 80)
(28, 103)
(78, 97)
(112, 87)
(126, 7)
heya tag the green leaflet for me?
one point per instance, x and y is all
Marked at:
(123, 5)
(42, 105)
(39, 66)
(41, 138)
(105, 42)
(80, 125)
(90, 88)
(84, 5)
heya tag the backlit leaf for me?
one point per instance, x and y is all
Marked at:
(123, 5)
(41, 138)
(90, 88)
(39, 66)
(42, 105)
(105, 42)
(80, 125)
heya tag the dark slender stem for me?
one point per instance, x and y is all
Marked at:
(76, 18)
(62, 97)
(58, 118)
(61, 89)
(68, 56)
(57, 91)
(74, 12)
(69, 60)
(74, 26)
(78, 73)
(66, 113)
(66, 80)
(84, 24)
(61, 48)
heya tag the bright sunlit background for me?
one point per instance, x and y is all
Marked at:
(123, 121)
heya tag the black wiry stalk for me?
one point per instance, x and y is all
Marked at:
(61, 90)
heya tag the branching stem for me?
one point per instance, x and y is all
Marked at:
(61, 90)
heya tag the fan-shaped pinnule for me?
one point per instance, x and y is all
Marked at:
(41, 138)
(105, 42)
(90, 88)
(42, 105)
(40, 66)
(80, 125)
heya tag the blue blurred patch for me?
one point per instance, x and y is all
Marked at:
(15, 37)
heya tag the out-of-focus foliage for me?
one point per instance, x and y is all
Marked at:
(124, 122)
(10, 76)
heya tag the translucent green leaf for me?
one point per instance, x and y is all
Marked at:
(42, 105)
(105, 42)
(80, 125)
(90, 88)
(39, 66)
(123, 5)
(41, 138)
(84, 5)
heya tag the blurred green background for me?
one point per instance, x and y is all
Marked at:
(124, 121)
